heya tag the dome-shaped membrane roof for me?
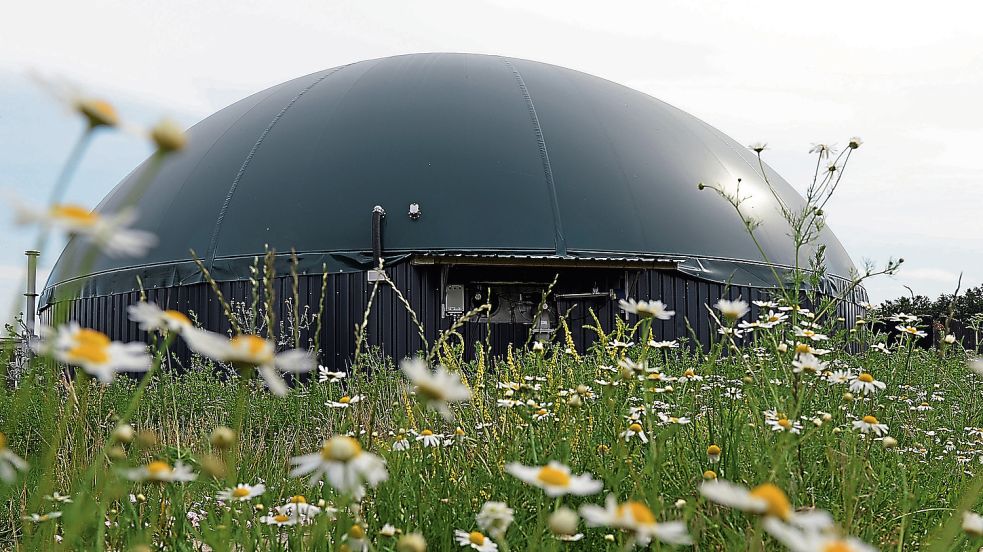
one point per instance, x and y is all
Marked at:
(503, 155)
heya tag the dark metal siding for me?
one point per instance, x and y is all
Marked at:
(390, 326)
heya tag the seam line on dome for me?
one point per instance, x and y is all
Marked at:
(213, 242)
(558, 238)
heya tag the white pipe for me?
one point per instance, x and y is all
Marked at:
(32, 291)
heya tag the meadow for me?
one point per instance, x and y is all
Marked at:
(792, 430)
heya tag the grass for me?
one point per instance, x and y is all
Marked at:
(895, 497)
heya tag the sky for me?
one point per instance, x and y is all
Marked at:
(905, 78)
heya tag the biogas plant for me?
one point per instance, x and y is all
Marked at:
(474, 180)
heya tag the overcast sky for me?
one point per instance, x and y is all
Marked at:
(907, 78)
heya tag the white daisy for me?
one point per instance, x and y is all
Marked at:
(345, 402)
(93, 351)
(664, 344)
(637, 519)
(41, 518)
(429, 438)
(976, 365)
(110, 232)
(495, 517)
(808, 363)
(634, 430)
(767, 498)
(436, 388)
(869, 424)
(555, 479)
(810, 334)
(866, 384)
(250, 352)
(973, 523)
(343, 463)
(10, 463)
(646, 309)
(798, 539)
(152, 318)
(732, 310)
(910, 330)
(782, 424)
(475, 540)
(162, 472)
(325, 375)
(241, 492)
(839, 377)
(758, 147)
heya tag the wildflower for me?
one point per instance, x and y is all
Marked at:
(870, 424)
(855, 142)
(41, 518)
(732, 310)
(976, 365)
(345, 401)
(866, 384)
(10, 463)
(124, 433)
(344, 464)
(666, 419)
(881, 347)
(783, 424)
(810, 334)
(280, 520)
(822, 149)
(663, 344)
(59, 498)
(436, 388)
(910, 330)
(168, 136)
(411, 542)
(495, 517)
(325, 375)
(222, 437)
(563, 523)
(691, 375)
(949, 339)
(713, 453)
(297, 506)
(620, 344)
(401, 443)
(766, 304)
(388, 530)
(647, 309)
(241, 492)
(773, 318)
(809, 540)
(636, 518)
(475, 540)
(839, 376)
(110, 232)
(630, 367)
(709, 475)
(808, 363)
(758, 147)
(889, 442)
(93, 351)
(973, 523)
(634, 430)
(162, 472)
(429, 438)
(538, 347)
(555, 479)
(152, 318)
(766, 498)
(247, 351)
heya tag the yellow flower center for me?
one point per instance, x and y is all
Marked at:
(802, 348)
(542, 412)
(553, 476)
(713, 450)
(74, 213)
(924, 403)
(356, 532)
(429, 392)
(90, 346)
(638, 512)
(870, 420)
(911, 329)
(177, 316)
(837, 546)
(158, 468)
(255, 347)
(340, 448)
(345, 400)
(635, 428)
(281, 518)
(426, 433)
(866, 378)
(298, 499)
(3, 441)
(808, 333)
(777, 503)
(785, 423)
(459, 432)
(240, 492)
(476, 538)
(98, 112)
(709, 475)
(774, 318)
(689, 373)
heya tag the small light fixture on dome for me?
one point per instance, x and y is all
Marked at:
(415, 211)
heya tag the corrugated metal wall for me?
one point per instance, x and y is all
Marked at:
(390, 326)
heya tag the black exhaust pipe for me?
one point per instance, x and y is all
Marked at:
(378, 213)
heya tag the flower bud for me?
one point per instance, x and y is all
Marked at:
(124, 433)
(889, 442)
(223, 438)
(411, 542)
(168, 136)
(564, 521)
